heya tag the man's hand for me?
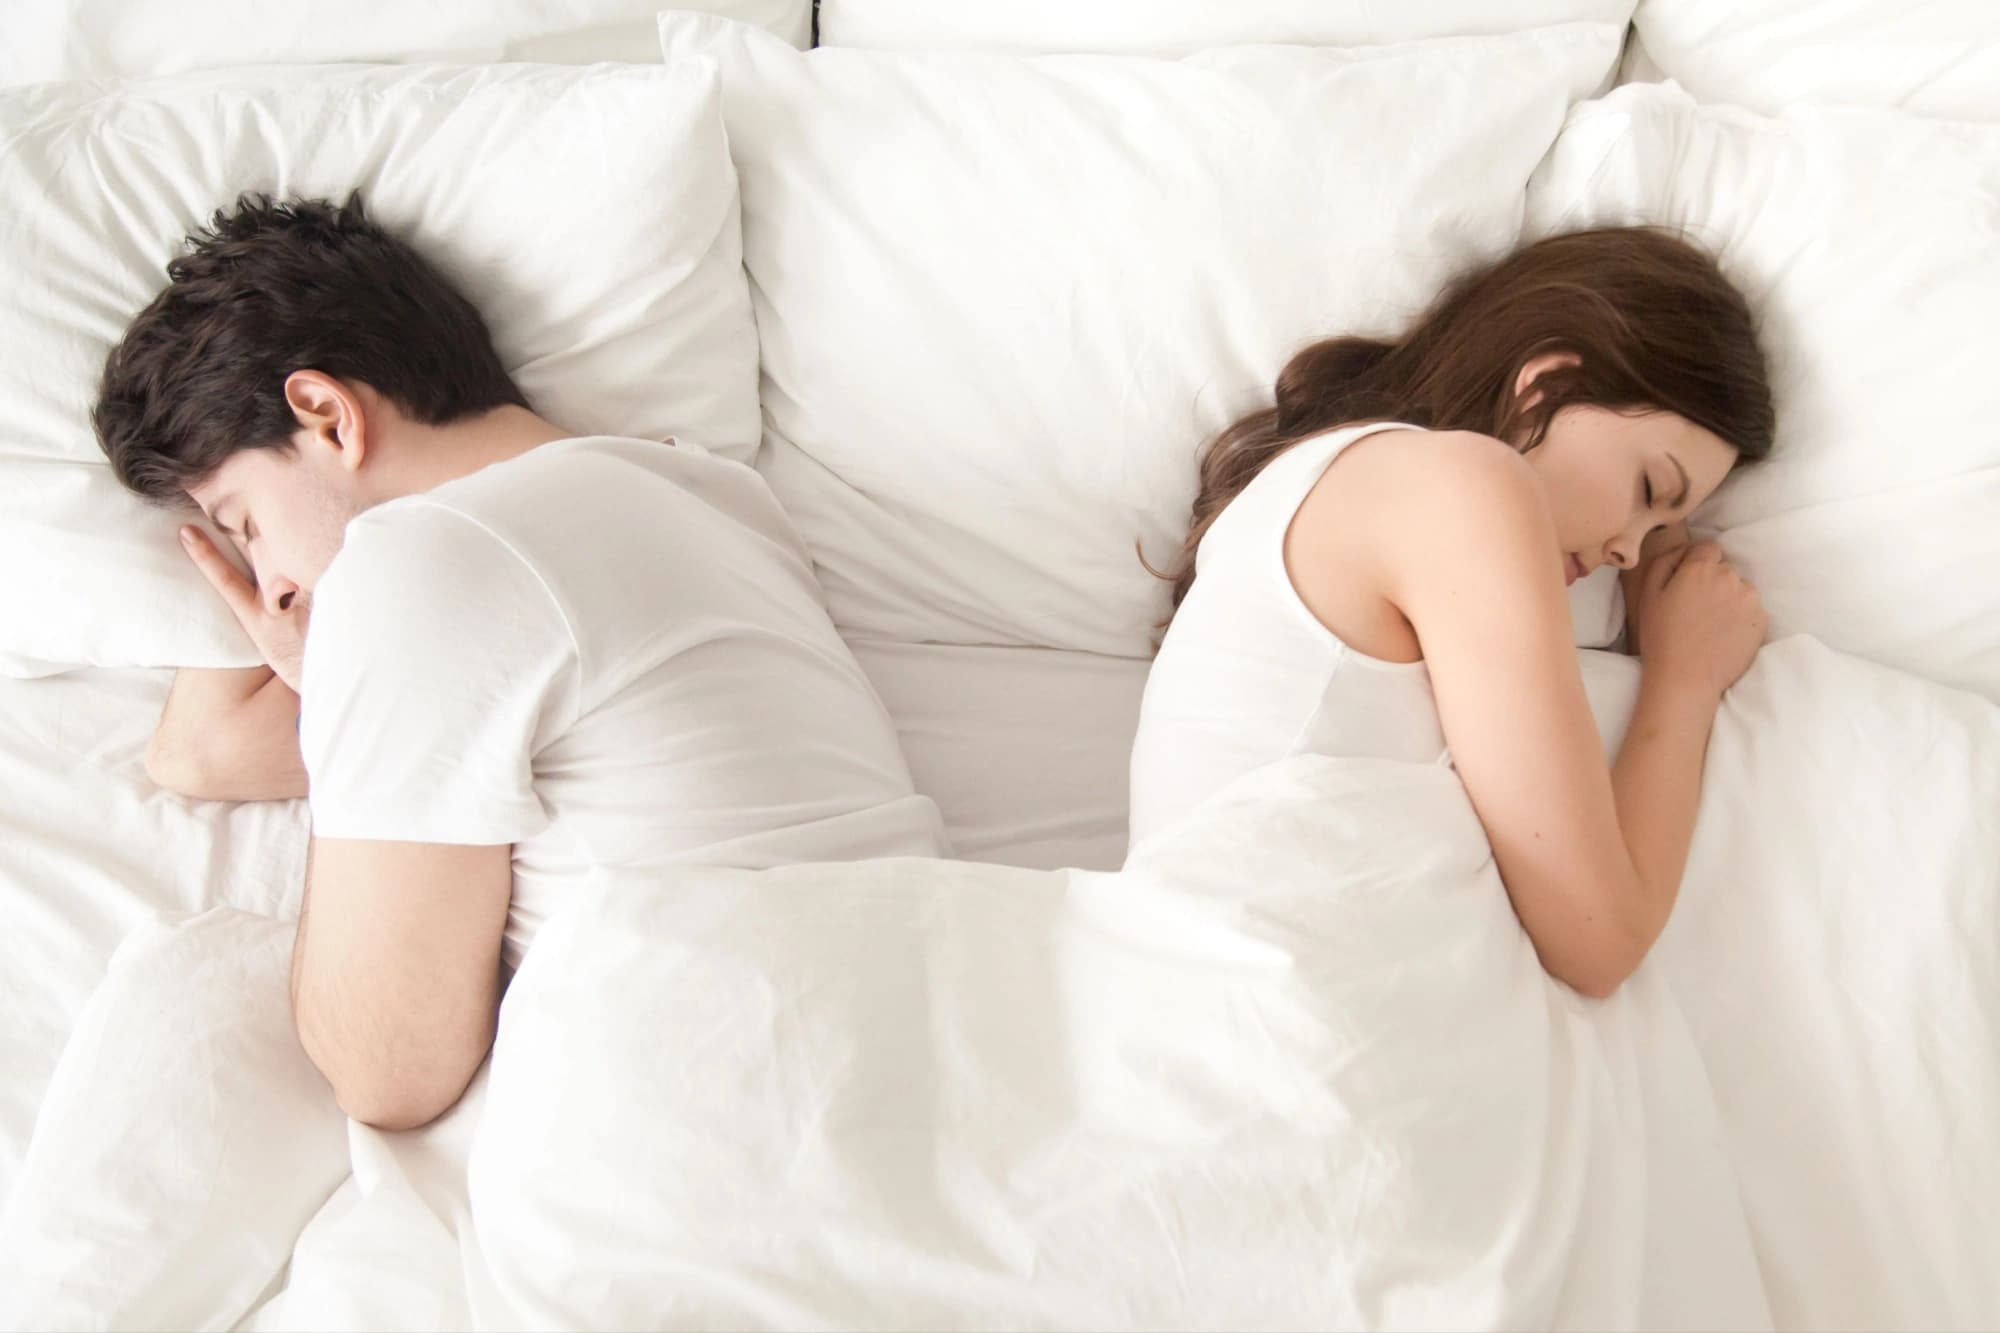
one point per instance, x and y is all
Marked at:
(280, 636)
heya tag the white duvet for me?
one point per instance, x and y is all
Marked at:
(1296, 1065)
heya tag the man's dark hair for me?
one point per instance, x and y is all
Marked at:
(270, 288)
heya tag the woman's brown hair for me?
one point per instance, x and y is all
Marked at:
(1652, 321)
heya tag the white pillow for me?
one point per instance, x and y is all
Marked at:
(1937, 57)
(1003, 301)
(1865, 242)
(1178, 27)
(591, 214)
(43, 40)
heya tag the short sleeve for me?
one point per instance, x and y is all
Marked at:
(437, 663)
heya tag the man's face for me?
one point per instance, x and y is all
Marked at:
(287, 511)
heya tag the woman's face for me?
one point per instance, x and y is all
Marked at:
(1612, 477)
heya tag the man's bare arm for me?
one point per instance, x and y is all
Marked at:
(396, 972)
(229, 735)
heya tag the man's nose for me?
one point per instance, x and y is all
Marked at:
(280, 595)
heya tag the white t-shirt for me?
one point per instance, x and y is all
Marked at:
(610, 653)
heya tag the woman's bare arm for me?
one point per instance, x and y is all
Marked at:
(1480, 582)
(1460, 537)
(229, 735)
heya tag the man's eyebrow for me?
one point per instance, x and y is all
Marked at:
(1680, 499)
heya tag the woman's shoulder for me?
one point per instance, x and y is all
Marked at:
(1437, 482)
(1470, 454)
(1408, 503)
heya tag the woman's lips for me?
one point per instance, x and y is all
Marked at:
(1575, 571)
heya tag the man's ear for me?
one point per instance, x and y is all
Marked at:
(331, 416)
(1534, 368)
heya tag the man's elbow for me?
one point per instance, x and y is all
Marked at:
(181, 768)
(391, 1105)
(394, 1090)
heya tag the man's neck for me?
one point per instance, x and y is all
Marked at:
(430, 456)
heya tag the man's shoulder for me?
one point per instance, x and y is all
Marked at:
(503, 520)
(572, 506)
(564, 491)
(583, 524)
(422, 532)
(425, 561)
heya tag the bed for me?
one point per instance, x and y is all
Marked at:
(969, 283)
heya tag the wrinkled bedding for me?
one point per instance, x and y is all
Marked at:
(1295, 1064)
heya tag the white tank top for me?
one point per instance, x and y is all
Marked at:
(1247, 675)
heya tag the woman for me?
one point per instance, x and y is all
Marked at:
(1383, 557)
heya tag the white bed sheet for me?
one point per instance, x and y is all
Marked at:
(89, 849)
(897, 1100)
(1024, 750)
(1843, 993)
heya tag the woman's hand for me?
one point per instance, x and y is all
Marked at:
(1700, 623)
(280, 637)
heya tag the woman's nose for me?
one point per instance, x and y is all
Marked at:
(1623, 553)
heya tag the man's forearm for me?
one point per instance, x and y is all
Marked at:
(229, 735)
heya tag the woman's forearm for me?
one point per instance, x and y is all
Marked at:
(1660, 542)
(229, 735)
(1656, 782)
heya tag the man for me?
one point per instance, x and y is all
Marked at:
(531, 655)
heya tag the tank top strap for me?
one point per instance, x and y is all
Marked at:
(1307, 461)
(1275, 494)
